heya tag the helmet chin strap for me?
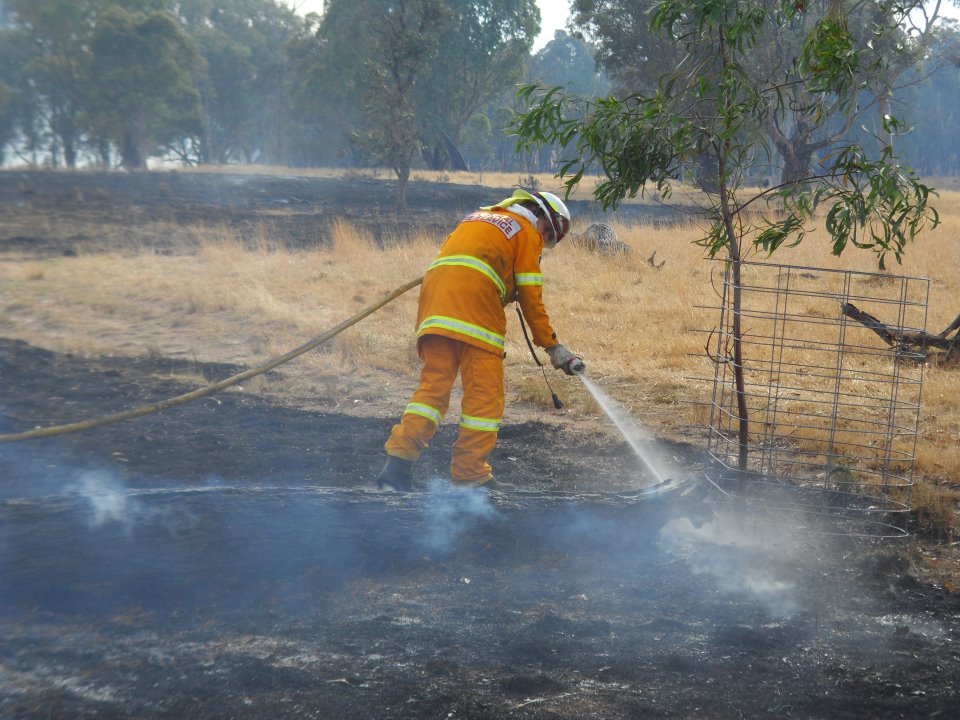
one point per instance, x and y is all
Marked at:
(549, 235)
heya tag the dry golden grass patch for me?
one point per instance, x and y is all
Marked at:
(935, 508)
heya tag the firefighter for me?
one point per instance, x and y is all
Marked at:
(490, 259)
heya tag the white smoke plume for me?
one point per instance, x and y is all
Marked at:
(108, 498)
(451, 512)
(741, 561)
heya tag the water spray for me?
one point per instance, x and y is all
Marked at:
(618, 416)
(624, 424)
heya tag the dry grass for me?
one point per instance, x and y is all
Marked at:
(637, 326)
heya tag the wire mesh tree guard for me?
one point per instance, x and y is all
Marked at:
(833, 411)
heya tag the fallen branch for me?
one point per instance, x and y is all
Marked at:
(911, 341)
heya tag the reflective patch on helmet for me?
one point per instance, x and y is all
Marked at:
(504, 223)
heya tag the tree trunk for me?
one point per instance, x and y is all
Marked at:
(706, 173)
(796, 161)
(131, 156)
(403, 175)
(733, 250)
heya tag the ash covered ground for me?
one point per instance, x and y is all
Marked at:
(230, 559)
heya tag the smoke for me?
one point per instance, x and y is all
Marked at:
(27, 473)
(107, 498)
(108, 501)
(741, 560)
(452, 512)
(733, 556)
(295, 546)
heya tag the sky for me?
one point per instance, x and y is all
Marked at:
(553, 16)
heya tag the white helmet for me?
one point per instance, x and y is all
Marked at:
(554, 210)
(559, 214)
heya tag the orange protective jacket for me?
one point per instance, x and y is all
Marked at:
(490, 259)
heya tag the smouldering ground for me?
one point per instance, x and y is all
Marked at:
(228, 560)
(222, 601)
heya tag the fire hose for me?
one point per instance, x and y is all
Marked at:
(216, 387)
(53, 430)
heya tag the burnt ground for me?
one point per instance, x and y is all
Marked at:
(298, 210)
(229, 558)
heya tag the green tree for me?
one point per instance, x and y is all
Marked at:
(325, 61)
(631, 53)
(636, 56)
(141, 83)
(12, 60)
(56, 32)
(481, 50)
(227, 96)
(328, 68)
(568, 61)
(476, 48)
(897, 40)
(404, 37)
(907, 50)
(22, 121)
(651, 138)
(243, 83)
(932, 107)
(7, 118)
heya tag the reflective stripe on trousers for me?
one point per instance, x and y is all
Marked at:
(481, 375)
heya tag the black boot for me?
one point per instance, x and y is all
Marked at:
(397, 474)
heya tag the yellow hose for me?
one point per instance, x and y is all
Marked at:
(216, 387)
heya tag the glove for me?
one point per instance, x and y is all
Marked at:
(563, 359)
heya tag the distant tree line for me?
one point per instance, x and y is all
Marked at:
(388, 83)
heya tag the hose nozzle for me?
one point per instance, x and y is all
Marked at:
(576, 367)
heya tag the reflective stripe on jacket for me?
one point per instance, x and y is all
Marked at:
(491, 258)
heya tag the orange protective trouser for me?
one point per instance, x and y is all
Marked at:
(481, 375)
